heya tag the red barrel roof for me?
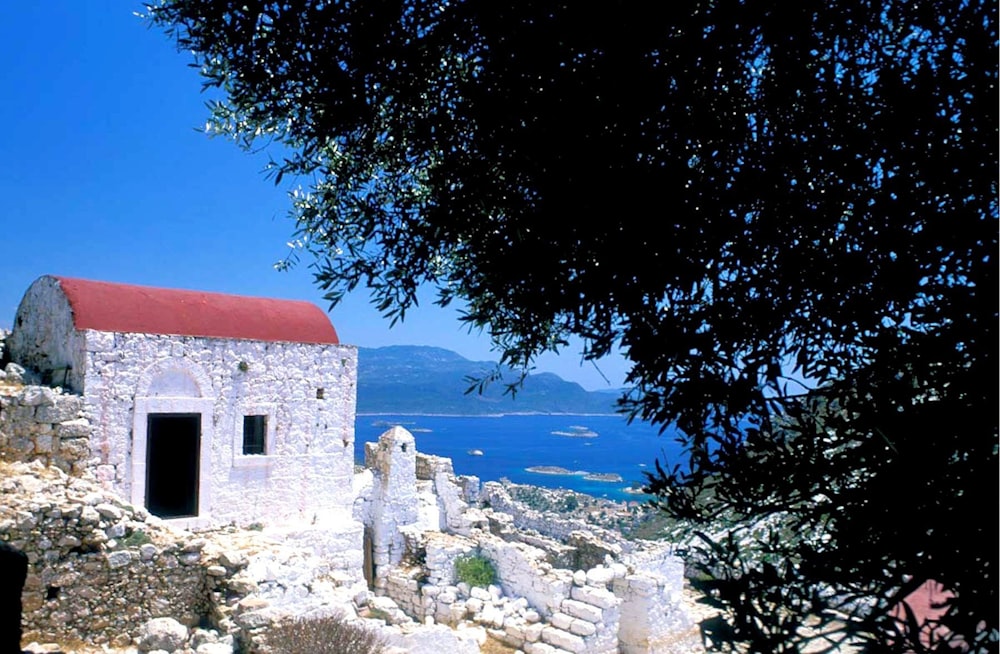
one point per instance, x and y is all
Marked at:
(109, 307)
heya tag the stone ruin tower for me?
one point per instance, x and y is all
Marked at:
(393, 499)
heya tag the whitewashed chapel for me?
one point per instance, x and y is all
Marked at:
(205, 408)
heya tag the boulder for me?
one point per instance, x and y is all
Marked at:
(162, 634)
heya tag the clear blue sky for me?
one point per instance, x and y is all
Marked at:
(103, 175)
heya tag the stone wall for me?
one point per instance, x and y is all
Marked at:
(534, 606)
(495, 496)
(45, 424)
(561, 585)
(394, 500)
(98, 568)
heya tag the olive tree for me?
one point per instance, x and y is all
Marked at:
(784, 214)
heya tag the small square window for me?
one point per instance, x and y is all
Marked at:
(254, 434)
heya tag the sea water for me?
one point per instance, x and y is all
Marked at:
(495, 447)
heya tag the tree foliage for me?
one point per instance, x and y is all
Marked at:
(785, 214)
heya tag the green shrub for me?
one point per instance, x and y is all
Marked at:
(136, 538)
(571, 503)
(475, 570)
(329, 635)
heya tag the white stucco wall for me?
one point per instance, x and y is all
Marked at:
(307, 471)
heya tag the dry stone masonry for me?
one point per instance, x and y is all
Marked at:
(626, 597)
(98, 568)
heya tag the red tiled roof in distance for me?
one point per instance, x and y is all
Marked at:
(110, 307)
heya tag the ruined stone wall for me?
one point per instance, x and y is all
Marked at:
(532, 606)
(561, 585)
(394, 498)
(46, 424)
(98, 568)
(495, 496)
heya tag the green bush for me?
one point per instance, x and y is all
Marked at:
(475, 570)
(136, 538)
(571, 503)
(329, 635)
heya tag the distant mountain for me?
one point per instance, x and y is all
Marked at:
(422, 379)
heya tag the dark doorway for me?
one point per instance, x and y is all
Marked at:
(172, 448)
(368, 563)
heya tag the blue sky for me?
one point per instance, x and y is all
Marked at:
(104, 175)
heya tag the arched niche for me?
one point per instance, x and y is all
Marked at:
(176, 377)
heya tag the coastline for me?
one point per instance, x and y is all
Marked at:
(516, 442)
(489, 415)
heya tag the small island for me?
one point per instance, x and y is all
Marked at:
(576, 431)
(475, 452)
(612, 477)
(632, 490)
(555, 470)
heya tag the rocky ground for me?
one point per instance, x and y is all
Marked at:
(688, 642)
(267, 547)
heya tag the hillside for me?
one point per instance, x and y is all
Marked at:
(422, 379)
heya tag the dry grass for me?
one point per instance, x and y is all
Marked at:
(494, 646)
(330, 635)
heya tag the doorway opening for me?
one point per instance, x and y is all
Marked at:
(368, 563)
(172, 463)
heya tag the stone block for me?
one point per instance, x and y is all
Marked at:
(116, 530)
(582, 610)
(457, 612)
(162, 634)
(533, 632)
(119, 559)
(21, 447)
(641, 585)
(491, 615)
(599, 597)
(37, 396)
(43, 443)
(65, 407)
(515, 632)
(109, 511)
(75, 450)
(71, 429)
(582, 628)
(600, 576)
(561, 621)
(563, 640)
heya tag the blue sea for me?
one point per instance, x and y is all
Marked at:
(511, 444)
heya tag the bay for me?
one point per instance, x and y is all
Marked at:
(510, 444)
